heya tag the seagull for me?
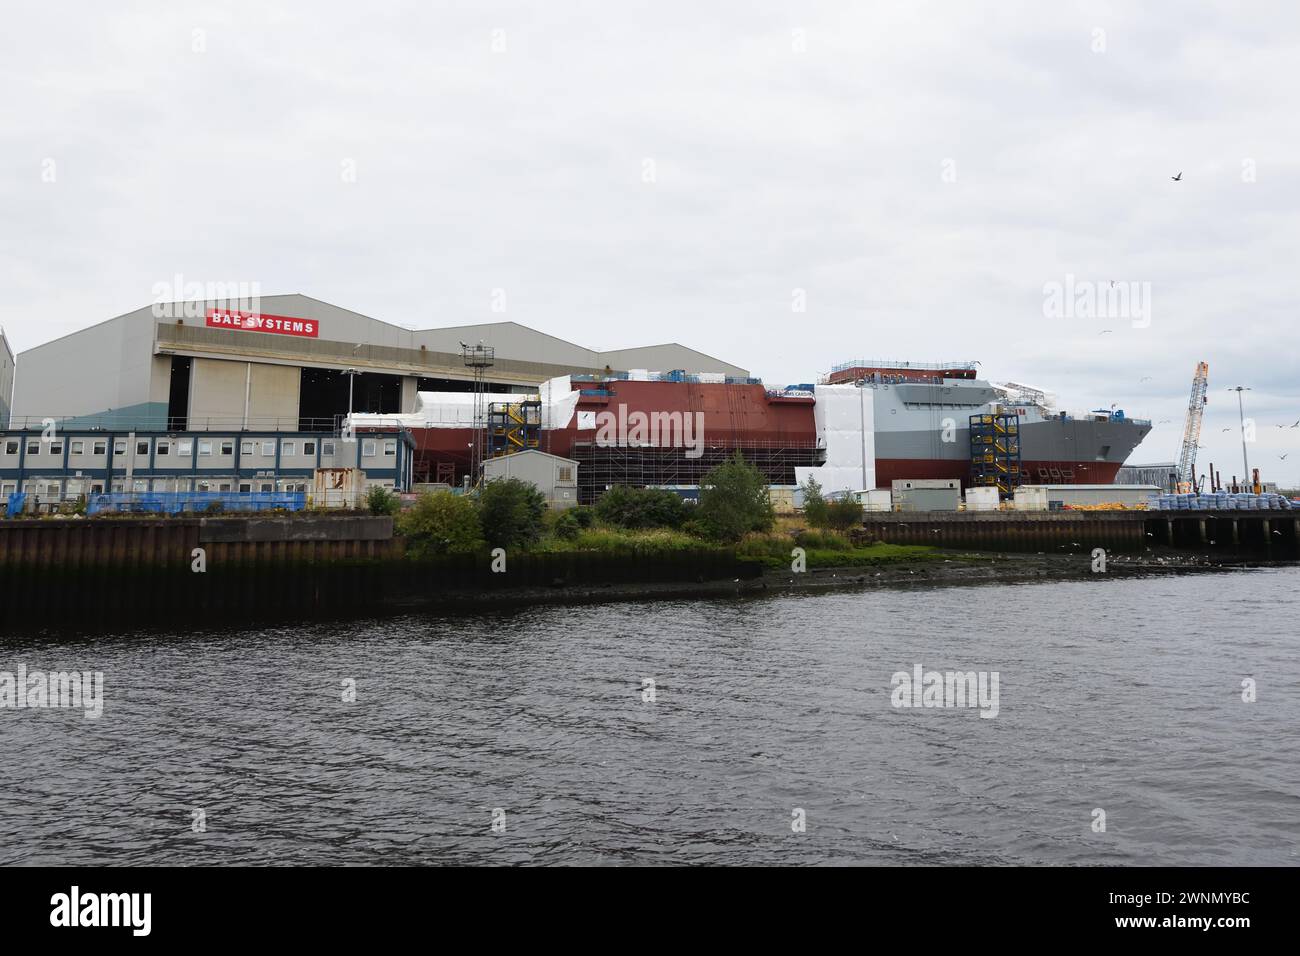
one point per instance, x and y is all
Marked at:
(1104, 331)
(1163, 420)
(1145, 378)
(1227, 429)
(1283, 457)
(1112, 283)
(1178, 178)
(1296, 425)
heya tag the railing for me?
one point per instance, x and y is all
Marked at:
(93, 424)
(884, 364)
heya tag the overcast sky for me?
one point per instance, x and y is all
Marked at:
(915, 175)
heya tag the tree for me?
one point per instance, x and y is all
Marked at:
(510, 512)
(844, 513)
(440, 523)
(814, 504)
(641, 508)
(381, 501)
(734, 501)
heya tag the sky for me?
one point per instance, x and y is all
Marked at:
(786, 186)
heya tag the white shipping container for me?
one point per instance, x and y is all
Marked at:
(1031, 498)
(983, 498)
(875, 499)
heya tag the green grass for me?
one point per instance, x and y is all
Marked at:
(828, 549)
(620, 541)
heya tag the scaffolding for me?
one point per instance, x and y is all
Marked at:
(513, 426)
(995, 452)
(478, 359)
(601, 467)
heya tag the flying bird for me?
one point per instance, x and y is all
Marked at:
(1178, 178)
(1283, 457)
(1145, 378)
(1104, 331)
(1227, 429)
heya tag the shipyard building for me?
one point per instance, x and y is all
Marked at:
(216, 398)
(219, 396)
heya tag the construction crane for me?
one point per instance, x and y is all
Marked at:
(1192, 429)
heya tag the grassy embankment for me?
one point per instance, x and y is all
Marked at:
(773, 549)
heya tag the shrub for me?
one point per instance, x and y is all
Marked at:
(566, 526)
(844, 513)
(585, 516)
(214, 508)
(381, 501)
(641, 508)
(823, 541)
(734, 500)
(440, 523)
(814, 504)
(511, 513)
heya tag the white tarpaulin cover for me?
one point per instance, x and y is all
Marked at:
(456, 409)
(845, 419)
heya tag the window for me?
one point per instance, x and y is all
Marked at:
(164, 447)
(390, 449)
(52, 490)
(11, 447)
(205, 448)
(140, 485)
(309, 448)
(97, 488)
(99, 446)
(327, 449)
(78, 447)
(368, 448)
(33, 446)
(245, 487)
(224, 486)
(268, 486)
(268, 449)
(56, 447)
(119, 446)
(228, 447)
(245, 447)
(205, 486)
(142, 447)
(7, 489)
(185, 447)
(288, 448)
(566, 473)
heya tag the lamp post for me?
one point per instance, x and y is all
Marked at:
(1241, 418)
(351, 373)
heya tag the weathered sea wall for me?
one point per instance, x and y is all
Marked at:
(118, 574)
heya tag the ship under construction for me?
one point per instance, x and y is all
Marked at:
(863, 425)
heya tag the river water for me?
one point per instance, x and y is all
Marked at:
(527, 736)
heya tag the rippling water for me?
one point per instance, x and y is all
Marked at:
(1123, 695)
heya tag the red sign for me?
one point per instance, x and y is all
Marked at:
(257, 322)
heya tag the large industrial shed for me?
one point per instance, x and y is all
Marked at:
(6, 379)
(288, 365)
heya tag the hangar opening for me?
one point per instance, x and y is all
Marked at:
(178, 393)
(323, 396)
